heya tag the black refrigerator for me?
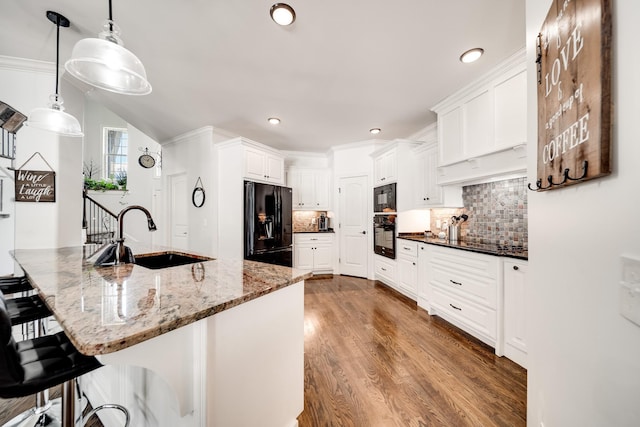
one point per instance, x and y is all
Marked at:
(267, 224)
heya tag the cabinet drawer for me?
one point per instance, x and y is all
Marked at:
(405, 247)
(483, 290)
(477, 320)
(471, 263)
(386, 270)
(301, 238)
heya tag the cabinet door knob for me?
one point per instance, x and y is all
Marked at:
(364, 232)
(515, 267)
(413, 263)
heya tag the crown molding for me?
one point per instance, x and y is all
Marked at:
(27, 65)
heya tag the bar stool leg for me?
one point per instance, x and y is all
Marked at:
(69, 403)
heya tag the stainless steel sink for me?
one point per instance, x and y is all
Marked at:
(159, 260)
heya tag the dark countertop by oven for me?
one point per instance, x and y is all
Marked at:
(303, 232)
(483, 248)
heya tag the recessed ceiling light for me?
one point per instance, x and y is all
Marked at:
(471, 55)
(282, 14)
(375, 131)
(273, 120)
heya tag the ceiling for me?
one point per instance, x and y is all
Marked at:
(342, 68)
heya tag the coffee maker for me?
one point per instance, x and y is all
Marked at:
(323, 223)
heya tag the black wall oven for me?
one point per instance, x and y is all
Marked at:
(384, 235)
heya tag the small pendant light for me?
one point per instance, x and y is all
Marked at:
(53, 118)
(105, 63)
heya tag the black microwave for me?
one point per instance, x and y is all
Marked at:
(384, 198)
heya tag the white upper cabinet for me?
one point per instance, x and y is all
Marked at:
(450, 127)
(386, 167)
(427, 191)
(485, 117)
(477, 130)
(394, 163)
(310, 188)
(263, 165)
(510, 107)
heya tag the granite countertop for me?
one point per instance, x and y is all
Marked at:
(484, 248)
(316, 231)
(105, 309)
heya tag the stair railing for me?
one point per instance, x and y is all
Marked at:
(99, 223)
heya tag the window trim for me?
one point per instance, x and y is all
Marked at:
(105, 144)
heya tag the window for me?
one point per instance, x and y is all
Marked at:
(116, 145)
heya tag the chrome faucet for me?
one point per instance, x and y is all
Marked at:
(121, 250)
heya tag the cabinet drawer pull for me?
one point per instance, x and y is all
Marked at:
(515, 267)
(454, 307)
(455, 283)
(406, 248)
(383, 269)
(313, 239)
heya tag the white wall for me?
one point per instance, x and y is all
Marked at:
(584, 361)
(97, 117)
(25, 85)
(194, 155)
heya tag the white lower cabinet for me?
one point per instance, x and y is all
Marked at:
(313, 251)
(515, 321)
(385, 270)
(407, 268)
(465, 289)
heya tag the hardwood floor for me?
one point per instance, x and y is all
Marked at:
(373, 358)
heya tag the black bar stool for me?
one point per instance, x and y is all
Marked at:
(35, 365)
(21, 285)
(14, 285)
(26, 310)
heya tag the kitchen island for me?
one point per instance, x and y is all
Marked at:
(226, 335)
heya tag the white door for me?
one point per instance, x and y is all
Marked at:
(354, 226)
(179, 204)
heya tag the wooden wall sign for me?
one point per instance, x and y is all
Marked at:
(33, 185)
(574, 93)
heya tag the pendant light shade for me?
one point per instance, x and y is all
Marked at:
(105, 63)
(53, 118)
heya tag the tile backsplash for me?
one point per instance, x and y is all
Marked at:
(497, 213)
(306, 221)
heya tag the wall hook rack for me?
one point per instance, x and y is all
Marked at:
(565, 178)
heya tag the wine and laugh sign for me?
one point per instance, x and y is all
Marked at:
(35, 186)
(574, 93)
